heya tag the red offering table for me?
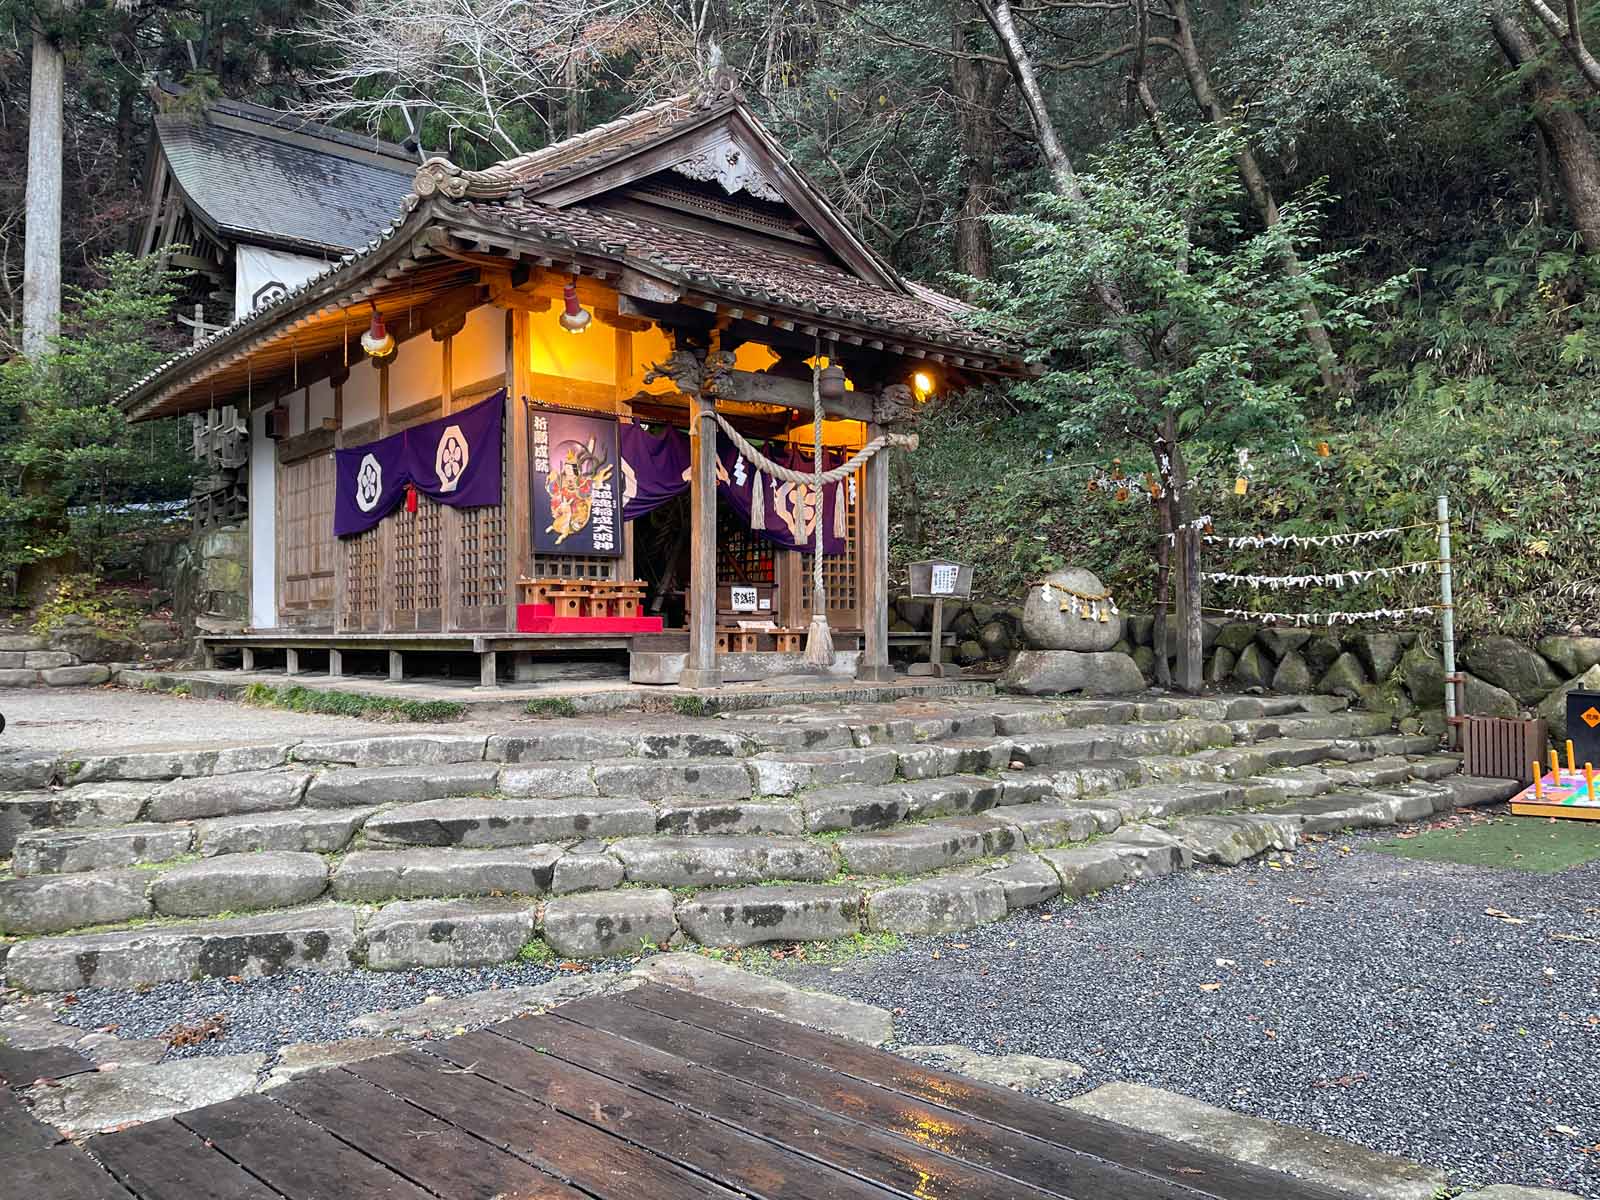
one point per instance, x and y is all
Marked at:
(541, 618)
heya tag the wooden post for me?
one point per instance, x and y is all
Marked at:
(386, 526)
(1191, 653)
(247, 658)
(701, 670)
(291, 661)
(335, 663)
(396, 666)
(451, 517)
(872, 558)
(518, 511)
(936, 645)
(487, 673)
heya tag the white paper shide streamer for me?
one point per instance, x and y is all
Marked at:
(1327, 579)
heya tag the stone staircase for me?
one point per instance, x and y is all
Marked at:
(453, 849)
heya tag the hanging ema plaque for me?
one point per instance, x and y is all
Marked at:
(576, 483)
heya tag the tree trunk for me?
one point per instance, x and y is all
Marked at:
(1190, 675)
(1563, 127)
(1260, 192)
(41, 264)
(1164, 555)
(974, 247)
(1571, 39)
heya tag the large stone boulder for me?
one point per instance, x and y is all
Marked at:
(1379, 652)
(1280, 641)
(1553, 708)
(1292, 675)
(1344, 678)
(1423, 674)
(1572, 655)
(1047, 672)
(1483, 699)
(1507, 663)
(1236, 635)
(1320, 653)
(1253, 668)
(1046, 627)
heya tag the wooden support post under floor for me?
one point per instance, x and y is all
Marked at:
(488, 664)
(335, 664)
(291, 661)
(700, 670)
(247, 658)
(396, 666)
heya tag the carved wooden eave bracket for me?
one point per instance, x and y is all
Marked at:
(438, 176)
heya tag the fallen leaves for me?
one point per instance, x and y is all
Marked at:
(198, 1033)
(1501, 915)
(1209, 987)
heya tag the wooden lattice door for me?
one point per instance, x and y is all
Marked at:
(306, 545)
(841, 573)
(416, 541)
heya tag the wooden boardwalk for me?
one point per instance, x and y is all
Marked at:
(651, 1095)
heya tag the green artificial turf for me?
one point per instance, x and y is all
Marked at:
(1536, 844)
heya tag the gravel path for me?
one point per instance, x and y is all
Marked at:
(1351, 992)
(300, 1006)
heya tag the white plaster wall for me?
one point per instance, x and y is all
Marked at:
(321, 402)
(416, 372)
(361, 394)
(263, 500)
(478, 352)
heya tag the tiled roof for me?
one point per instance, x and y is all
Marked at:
(743, 270)
(256, 185)
(583, 152)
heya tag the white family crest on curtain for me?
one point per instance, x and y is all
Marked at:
(451, 459)
(369, 483)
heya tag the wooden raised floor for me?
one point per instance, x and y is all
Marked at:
(655, 1094)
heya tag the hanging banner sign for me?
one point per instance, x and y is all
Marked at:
(654, 469)
(576, 483)
(789, 510)
(455, 460)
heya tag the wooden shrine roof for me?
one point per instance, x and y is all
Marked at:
(765, 246)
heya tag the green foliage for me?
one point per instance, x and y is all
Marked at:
(550, 706)
(351, 704)
(537, 951)
(83, 596)
(75, 477)
(690, 706)
(1209, 335)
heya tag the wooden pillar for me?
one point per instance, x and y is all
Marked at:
(701, 670)
(451, 518)
(335, 663)
(291, 661)
(488, 664)
(386, 526)
(247, 658)
(518, 511)
(396, 666)
(872, 559)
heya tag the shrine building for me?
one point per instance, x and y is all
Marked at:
(562, 406)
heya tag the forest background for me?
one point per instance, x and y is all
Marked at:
(1342, 249)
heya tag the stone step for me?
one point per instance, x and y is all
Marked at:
(393, 750)
(1229, 839)
(723, 861)
(918, 849)
(312, 938)
(774, 913)
(1044, 825)
(704, 817)
(319, 830)
(57, 903)
(447, 933)
(941, 905)
(94, 849)
(239, 883)
(373, 876)
(595, 924)
(23, 812)
(355, 787)
(486, 822)
(786, 774)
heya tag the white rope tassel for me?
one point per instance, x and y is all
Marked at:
(841, 519)
(758, 508)
(819, 640)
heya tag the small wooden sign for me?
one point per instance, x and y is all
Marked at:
(940, 579)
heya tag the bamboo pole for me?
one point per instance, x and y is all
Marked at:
(1447, 624)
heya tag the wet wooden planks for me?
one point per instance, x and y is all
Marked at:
(651, 1093)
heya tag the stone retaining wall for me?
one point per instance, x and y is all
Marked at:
(80, 654)
(984, 632)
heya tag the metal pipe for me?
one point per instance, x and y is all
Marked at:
(1447, 622)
